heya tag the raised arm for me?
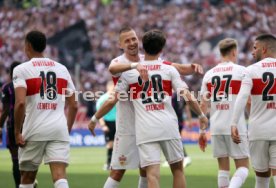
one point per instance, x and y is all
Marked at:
(186, 69)
(116, 68)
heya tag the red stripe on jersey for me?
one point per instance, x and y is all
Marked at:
(259, 86)
(234, 84)
(136, 88)
(115, 80)
(167, 63)
(33, 85)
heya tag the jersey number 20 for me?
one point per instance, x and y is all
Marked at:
(158, 94)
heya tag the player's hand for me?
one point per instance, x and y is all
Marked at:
(197, 68)
(203, 122)
(105, 128)
(91, 127)
(20, 140)
(143, 72)
(235, 135)
(202, 141)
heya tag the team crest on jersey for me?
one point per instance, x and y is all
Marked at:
(122, 160)
(14, 78)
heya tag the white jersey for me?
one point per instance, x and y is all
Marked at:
(45, 81)
(222, 83)
(262, 121)
(155, 118)
(124, 123)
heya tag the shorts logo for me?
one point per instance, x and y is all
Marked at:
(122, 160)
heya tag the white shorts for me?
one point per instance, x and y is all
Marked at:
(30, 156)
(125, 153)
(223, 146)
(263, 155)
(150, 153)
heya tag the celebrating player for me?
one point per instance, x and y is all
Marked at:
(222, 84)
(125, 153)
(259, 83)
(39, 109)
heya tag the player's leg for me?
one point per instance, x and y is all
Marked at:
(15, 164)
(240, 154)
(57, 156)
(178, 175)
(30, 158)
(114, 178)
(220, 152)
(173, 152)
(109, 140)
(153, 175)
(259, 155)
(150, 158)
(143, 182)
(272, 162)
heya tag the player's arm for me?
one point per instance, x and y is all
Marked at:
(19, 114)
(188, 113)
(240, 105)
(239, 108)
(120, 67)
(72, 105)
(20, 88)
(103, 110)
(186, 69)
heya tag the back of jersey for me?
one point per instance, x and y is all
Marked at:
(45, 81)
(262, 121)
(222, 83)
(155, 118)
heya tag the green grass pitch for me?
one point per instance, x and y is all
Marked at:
(86, 171)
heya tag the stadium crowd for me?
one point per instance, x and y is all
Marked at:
(192, 28)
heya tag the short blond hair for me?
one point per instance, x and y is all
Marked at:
(227, 45)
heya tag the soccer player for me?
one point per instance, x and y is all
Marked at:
(222, 84)
(259, 83)
(155, 121)
(40, 85)
(8, 112)
(108, 123)
(125, 153)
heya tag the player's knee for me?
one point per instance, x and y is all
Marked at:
(117, 174)
(27, 177)
(177, 167)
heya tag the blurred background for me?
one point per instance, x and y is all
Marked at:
(83, 34)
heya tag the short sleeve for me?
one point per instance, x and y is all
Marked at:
(177, 82)
(247, 78)
(18, 77)
(70, 85)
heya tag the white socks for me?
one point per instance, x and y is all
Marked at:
(26, 186)
(274, 179)
(262, 182)
(143, 183)
(239, 177)
(223, 179)
(61, 183)
(111, 183)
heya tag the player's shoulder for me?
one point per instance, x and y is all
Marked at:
(120, 58)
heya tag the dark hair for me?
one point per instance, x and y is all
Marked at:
(153, 41)
(227, 45)
(268, 40)
(13, 65)
(125, 28)
(265, 37)
(37, 39)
